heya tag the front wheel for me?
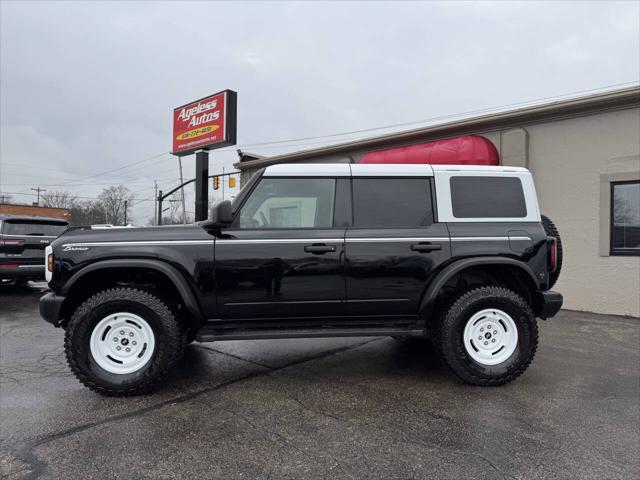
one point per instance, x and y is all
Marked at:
(123, 341)
(489, 336)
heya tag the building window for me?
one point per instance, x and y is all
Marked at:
(625, 218)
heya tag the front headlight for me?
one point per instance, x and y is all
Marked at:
(48, 260)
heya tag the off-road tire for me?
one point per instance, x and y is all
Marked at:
(170, 339)
(450, 336)
(552, 231)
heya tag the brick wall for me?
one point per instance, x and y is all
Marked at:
(33, 211)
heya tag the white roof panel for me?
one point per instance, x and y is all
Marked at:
(477, 168)
(377, 170)
(391, 170)
(308, 170)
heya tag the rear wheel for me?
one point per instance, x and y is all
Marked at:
(123, 341)
(489, 336)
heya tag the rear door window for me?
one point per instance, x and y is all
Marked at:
(33, 228)
(487, 197)
(392, 202)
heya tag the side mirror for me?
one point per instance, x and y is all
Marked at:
(221, 215)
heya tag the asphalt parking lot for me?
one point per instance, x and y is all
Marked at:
(336, 408)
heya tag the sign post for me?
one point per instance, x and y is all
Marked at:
(203, 125)
(202, 192)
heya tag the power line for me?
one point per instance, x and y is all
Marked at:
(425, 120)
(77, 196)
(164, 180)
(116, 169)
(60, 178)
(352, 132)
(431, 119)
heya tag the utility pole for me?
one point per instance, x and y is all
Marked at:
(155, 202)
(38, 190)
(222, 179)
(126, 202)
(159, 220)
(184, 208)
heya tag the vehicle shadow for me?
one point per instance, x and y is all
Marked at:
(417, 354)
(407, 358)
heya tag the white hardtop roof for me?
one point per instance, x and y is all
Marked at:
(374, 170)
(308, 170)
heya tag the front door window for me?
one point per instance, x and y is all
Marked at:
(290, 203)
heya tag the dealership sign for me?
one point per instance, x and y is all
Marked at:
(205, 124)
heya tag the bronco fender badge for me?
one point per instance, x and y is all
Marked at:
(71, 248)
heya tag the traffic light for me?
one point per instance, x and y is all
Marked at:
(232, 182)
(216, 183)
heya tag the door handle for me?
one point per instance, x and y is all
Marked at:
(425, 247)
(319, 249)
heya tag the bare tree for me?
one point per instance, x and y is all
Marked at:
(87, 213)
(114, 200)
(59, 199)
(5, 198)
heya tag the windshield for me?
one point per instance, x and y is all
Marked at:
(237, 201)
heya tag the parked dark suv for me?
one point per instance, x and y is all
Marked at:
(22, 244)
(459, 255)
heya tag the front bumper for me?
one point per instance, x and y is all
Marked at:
(548, 304)
(50, 305)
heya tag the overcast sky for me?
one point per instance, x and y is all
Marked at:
(89, 87)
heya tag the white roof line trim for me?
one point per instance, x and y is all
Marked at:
(380, 169)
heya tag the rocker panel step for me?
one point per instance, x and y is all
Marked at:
(208, 334)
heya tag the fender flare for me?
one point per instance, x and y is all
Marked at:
(443, 276)
(174, 276)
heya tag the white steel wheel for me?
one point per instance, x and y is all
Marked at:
(490, 336)
(122, 343)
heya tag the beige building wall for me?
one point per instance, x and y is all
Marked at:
(568, 160)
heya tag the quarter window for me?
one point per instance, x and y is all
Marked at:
(290, 203)
(487, 197)
(625, 218)
(392, 203)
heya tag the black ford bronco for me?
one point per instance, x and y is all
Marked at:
(459, 255)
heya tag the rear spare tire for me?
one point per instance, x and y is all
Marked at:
(551, 230)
